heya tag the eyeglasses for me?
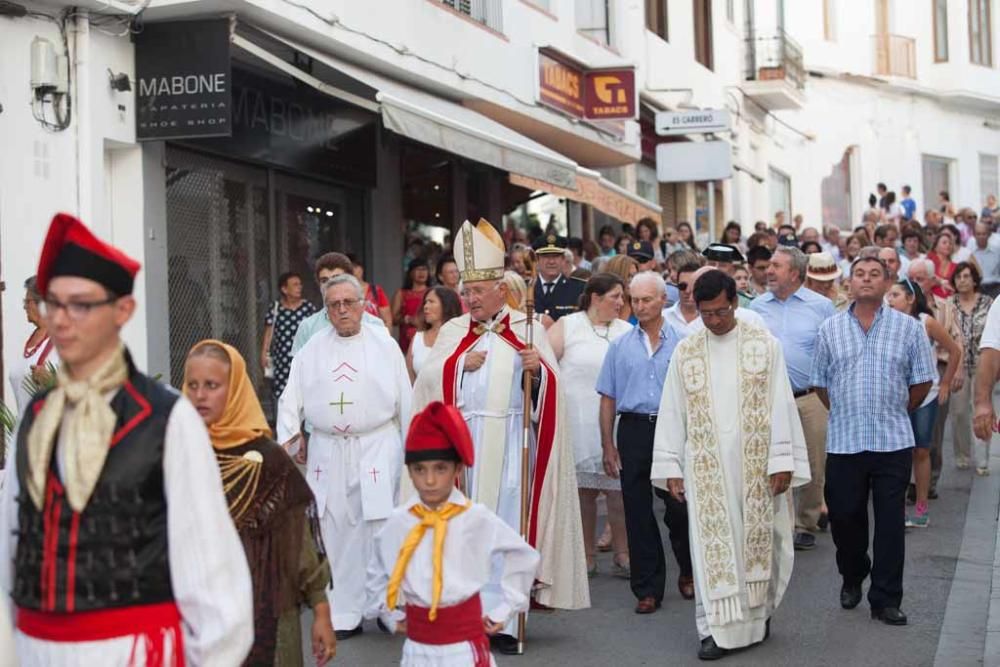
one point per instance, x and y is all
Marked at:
(76, 310)
(683, 287)
(478, 292)
(345, 304)
(721, 312)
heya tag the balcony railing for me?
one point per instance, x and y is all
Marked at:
(895, 55)
(487, 12)
(776, 56)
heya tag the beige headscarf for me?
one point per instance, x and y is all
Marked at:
(88, 431)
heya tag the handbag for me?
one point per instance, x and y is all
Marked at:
(268, 363)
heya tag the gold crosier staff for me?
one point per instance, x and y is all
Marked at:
(529, 311)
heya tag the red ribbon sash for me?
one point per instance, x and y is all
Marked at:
(458, 623)
(150, 624)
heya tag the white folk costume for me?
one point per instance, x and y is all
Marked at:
(355, 394)
(434, 562)
(116, 545)
(727, 421)
(491, 401)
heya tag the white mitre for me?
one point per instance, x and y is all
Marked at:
(479, 252)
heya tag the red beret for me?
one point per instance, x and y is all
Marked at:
(71, 249)
(439, 433)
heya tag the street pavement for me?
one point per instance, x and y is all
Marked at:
(809, 628)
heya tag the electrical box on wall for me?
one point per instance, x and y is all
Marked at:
(44, 70)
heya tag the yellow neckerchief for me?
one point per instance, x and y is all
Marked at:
(438, 520)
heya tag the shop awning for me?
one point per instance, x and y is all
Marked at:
(597, 191)
(437, 121)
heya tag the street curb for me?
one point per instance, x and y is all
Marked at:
(970, 632)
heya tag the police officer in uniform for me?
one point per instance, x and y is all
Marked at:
(555, 295)
(642, 252)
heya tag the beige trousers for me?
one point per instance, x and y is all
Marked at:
(809, 498)
(961, 426)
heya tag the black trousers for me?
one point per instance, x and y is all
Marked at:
(850, 479)
(649, 568)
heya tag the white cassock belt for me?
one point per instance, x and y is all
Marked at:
(376, 470)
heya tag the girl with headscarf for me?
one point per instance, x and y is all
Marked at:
(271, 505)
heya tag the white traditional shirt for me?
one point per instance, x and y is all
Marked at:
(475, 540)
(208, 567)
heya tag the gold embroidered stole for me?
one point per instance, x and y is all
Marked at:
(713, 523)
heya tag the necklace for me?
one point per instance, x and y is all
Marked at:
(607, 329)
(240, 476)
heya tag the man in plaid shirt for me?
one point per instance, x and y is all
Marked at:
(873, 365)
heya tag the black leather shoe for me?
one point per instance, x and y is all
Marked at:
(711, 651)
(504, 644)
(382, 626)
(889, 616)
(347, 634)
(850, 595)
(804, 541)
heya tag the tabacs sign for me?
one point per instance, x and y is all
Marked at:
(603, 94)
(184, 80)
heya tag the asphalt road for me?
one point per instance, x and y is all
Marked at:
(809, 628)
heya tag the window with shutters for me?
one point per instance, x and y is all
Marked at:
(980, 33)
(940, 31)
(487, 12)
(593, 19)
(703, 33)
(656, 18)
(989, 180)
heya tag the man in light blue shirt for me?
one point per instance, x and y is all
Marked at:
(630, 385)
(793, 315)
(873, 365)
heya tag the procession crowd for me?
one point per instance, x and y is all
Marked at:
(438, 462)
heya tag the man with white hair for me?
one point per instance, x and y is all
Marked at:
(352, 386)
(630, 385)
(477, 365)
(831, 241)
(921, 272)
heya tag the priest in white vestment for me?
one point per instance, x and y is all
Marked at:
(729, 442)
(351, 385)
(476, 365)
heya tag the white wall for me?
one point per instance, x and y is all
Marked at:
(79, 170)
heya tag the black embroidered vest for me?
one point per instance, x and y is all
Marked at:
(113, 553)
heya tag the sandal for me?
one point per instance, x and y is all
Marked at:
(620, 570)
(604, 541)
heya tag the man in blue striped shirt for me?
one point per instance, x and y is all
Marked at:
(873, 365)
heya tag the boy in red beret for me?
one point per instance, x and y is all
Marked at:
(435, 554)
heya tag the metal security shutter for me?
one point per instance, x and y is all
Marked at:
(668, 200)
(219, 259)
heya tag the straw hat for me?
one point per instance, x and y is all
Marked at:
(822, 266)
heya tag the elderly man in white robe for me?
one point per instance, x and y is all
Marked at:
(477, 365)
(350, 384)
(729, 443)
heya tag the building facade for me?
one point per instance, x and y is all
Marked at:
(373, 127)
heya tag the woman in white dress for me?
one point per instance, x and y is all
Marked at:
(39, 352)
(440, 305)
(580, 342)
